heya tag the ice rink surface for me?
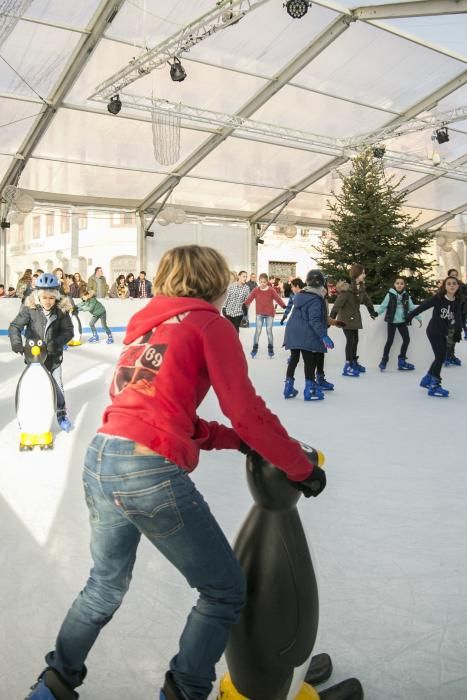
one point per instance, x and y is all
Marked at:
(388, 534)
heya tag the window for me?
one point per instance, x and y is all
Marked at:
(122, 218)
(65, 223)
(82, 220)
(36, 227)
(49, 224)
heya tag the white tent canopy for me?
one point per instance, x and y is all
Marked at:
(340, 71)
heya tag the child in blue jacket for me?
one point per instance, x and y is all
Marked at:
(306, 333)
(397, 304)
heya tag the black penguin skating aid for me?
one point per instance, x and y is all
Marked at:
(269, 654)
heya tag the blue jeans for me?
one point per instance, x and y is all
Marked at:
(129, 495)
(260, 322)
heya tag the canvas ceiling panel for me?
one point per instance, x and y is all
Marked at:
(108, 140)
(74, 14)
(222, 195)
(86, 180)
(300, 109)
(458, 98)
(16, 118)
(265, 40)
(206, 86)
(377, 68)
(4, 164)
(149, 22)
(241, 160)
(446, 31)
(309, 205)
(39, 54)
(421, 145)
(440, 194)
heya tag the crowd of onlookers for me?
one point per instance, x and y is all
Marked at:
(74, 286)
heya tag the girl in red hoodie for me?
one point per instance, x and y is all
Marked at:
(137, 472)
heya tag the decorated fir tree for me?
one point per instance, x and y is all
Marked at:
(368, 226)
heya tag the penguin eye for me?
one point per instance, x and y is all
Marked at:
(39, 343)
(31, 343)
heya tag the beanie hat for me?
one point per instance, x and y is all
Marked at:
(355, 270)
(315, 278)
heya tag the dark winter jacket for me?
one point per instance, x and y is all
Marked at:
(77, 290)
(446, 314)
(55, 331)
(347, 305)
(309, 322)
(397, 305)
(133, 289)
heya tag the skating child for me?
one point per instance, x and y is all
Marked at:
(347, 310)
(265, 297)
(446, 305)
(306, 333)
(397, 304)
(296, 286)
(98, 313)
(454, 336)
(137, 473)
(45, 316)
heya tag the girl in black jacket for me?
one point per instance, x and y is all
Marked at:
(45, 317)
(446, 306)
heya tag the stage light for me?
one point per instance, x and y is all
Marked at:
(297, 8)
(177, 71)
(114, 105)
(441, 135)
(379, 151)
(148, 234)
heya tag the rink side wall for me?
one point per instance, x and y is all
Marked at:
(372, 338)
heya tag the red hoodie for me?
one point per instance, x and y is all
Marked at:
(177, 348)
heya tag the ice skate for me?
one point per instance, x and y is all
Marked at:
(50, 686)
(350, 371)
(360, 368)
(289, 391)
(426, 381)
(382, 365)
(402, 364)
(109, 340)
(312, 391)
(94, 338)
(270, 351)
(254, 352)
(323, 384)
(435, 389)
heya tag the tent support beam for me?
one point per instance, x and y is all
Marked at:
(284, 76)
(411, 9)
(103, 17)
(443, 218)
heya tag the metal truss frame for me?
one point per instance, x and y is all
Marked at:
(223, 15)
(443, 218)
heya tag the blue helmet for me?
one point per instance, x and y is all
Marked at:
(47, 281)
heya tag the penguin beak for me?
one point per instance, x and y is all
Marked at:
(35, 351)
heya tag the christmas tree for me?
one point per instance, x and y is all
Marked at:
(368, 226)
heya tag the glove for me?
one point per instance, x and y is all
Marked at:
(373, 314)
(282, 321)
(316, 482)
(244, 448)
(244, 309)
(327, 342)
(457, 337)
(18, 349)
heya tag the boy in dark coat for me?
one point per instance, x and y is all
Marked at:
(306, 333)
(44, 316)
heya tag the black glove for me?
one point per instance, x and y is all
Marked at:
(457, 337)
(316, 482)
(282, 321)
(244, 448)
(244, 309)
(374, 314)
(18, 349)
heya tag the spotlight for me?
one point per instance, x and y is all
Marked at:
(177, 71)
(441, 135)
(379, 151)
(114, 105)
(297, 8)
(149, 234)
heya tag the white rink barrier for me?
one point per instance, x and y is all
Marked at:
(372, 337)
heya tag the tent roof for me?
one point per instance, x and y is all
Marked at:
(340, 71)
